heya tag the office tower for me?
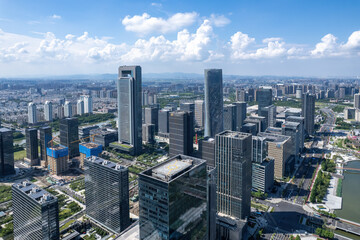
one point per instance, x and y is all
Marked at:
(269, 113)
(148, 133)
(45, 137)
(292, 129)
(259, 149)
(211, 203)
(263, 175)
(67, 109)
(240, 114)
(199, 113)
(164, 122)
(80, 107)
(349, 113)
(32, 150)
(107, 193)
(342, 92)
(32, 113)
(207, 150)
(308, 112)
(264, 98)
(214, 121)
(278, 148)
(233, 164)
(173, 199)
(152, 117)
(48, 111)
(241, 95)
(230, 117)
(251, 128)
(88, 104)
(104, 136)
(357, 101)
(181, 133)
(187, 107)
(69, 135)
(299, 120)
(36, 212)
(6, 152)
(259, 121)
(60, 111)
(129, 107)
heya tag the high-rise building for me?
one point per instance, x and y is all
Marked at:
(230, 117)
(269, 113)
(240, 114)
(207, 150)
(278, 148)
(32, 150)
(48, 111)
(67, 109)
(299, 120)
(45, 137)
(69, 135)
(233, 162)
(199, 113)
(357, 101)
(80, 107)
(263, 175)
(259, 149)
(129, 107)
(57, 158)
(35, 212)
(6, 152)
(88, 104)
(107, 193)
(264, 98)
(173, 199)
(292, 129)
(308, 112)
(214, 119)
(148, 133)
(181, 133)
(187, 107)
(164, 122)
(32, 113)
(152, 117)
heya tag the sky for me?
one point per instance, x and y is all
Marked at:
(243, 37)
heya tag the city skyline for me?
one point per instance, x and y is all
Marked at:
(258, 39)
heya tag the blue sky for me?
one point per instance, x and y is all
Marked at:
(246, 37)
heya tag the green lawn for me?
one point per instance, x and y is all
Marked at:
(5, 193)
(20, 155)
(67, 225)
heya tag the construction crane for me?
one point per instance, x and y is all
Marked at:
(81, 139)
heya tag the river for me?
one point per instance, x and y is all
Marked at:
(351, 194)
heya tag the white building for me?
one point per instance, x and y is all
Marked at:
(32, 117)
(48, 111)
(88, 105)
(67, 109)
(80, 107)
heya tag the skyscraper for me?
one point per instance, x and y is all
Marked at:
(107, 193)
(187, 107)
(67, 109)
(292, 129)
(214, 119)
(32, 150)
(269, 113)
(207, 150)
(233, 164)
(152, 117)
(48, 111)
(240, 114)
(164, 122)
(259, 149)
(6, 152)
(69, 135)
(230, 117)
(181, 133)
(45, 137)
(80, 107)
(129, 107)
(36, 212)
(88, 104)
(264, 98)
(32, 117)
(299, 120)
(308, 112)
(173, 199)
(199, 113)
(357, 101)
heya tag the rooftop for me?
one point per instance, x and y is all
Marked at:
(272, 137)
(34, 192)
(5, 130)
(57, 147)
(105, 163)
(90, 145)
(233, 134)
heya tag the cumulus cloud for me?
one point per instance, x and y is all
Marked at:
(327, 46)
(353, 42)
(219, 20)
(145, 24)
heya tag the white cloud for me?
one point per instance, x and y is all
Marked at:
(146, 24)
(353, 42)
(219, 20)
(239, 42)
(56, 16)
(327, 46)
(154, 4)
(271, 39)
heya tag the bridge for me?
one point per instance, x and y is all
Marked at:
(345, 168)
(348, 226)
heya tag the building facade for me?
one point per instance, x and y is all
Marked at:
(48, 111)
(32, 150)
(181, 133)
(45, 137)
(199, 113)
(308, 112)
(69, 135)
(32, 113)
(263, 176)
(6, 152)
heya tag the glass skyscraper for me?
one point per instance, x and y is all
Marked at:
(308, 112)
(32, 150)
(173, 200)
(36, 213)
(107, 193)
(129, 107)
(233, 164)
(6, 152)
(264, 98)
(214, 119)
(69, 134)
